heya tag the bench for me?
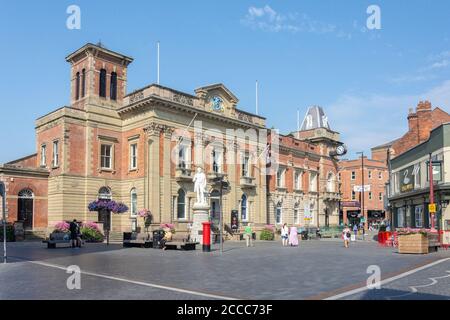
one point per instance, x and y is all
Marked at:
(181, 241)
(140, 240)
(57, 238)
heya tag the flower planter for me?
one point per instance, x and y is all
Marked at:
(417, 243)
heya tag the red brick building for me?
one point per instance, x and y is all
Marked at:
(420, 123)
(351, 179)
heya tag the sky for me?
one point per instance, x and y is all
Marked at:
(302, 52)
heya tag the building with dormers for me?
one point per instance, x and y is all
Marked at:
(142, 148)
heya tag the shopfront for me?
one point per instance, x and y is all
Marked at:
(409, 188)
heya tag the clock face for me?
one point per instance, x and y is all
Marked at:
(216, 103)
(340, 150)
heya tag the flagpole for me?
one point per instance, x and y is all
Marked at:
(257, 111)
(157, 81)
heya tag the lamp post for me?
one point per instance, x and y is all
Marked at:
(3, 195)
(223, 185)
(366, 222)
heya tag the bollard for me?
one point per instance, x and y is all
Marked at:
(206, 236)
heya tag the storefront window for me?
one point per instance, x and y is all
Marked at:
(418, 216)
(401, 217)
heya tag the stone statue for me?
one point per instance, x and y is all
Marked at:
(200, 185)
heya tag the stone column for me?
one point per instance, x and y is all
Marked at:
(153, 134)
(166, 196)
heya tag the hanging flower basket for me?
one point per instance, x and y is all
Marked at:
(110, 205)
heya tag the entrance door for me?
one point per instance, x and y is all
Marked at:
(215, 207)
(25, 209)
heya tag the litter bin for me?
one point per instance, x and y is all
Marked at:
(158, 235)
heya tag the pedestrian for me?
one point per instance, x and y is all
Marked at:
(355, 230)
(74, 230)
(248, 235)
(346, 234)
(293, 237)
(285, 234)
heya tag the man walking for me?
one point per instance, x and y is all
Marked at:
(74, 231)
(248, 235)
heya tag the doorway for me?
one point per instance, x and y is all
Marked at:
(25, 209)
(215, 207)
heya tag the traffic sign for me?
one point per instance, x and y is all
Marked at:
(432, 208)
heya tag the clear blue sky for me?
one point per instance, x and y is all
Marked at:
(302, 52)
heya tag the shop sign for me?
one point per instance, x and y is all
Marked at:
(350, 204)
(409, 178)
(360, 188)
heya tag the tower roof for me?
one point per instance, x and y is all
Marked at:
(315, 118)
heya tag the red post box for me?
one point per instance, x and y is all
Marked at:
(206, 236)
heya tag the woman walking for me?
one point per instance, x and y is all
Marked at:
(346, 234)
(293, 237)
(285, 234)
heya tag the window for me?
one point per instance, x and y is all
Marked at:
(244, 212)
(104, 193)
(280, 178)
(296, 215)
(183, 157)
(416, 174)
(133, 201)
(339, 176)
(278, 214)
(370, 195)
(418, 216)
(353, 195)
(181, 205)
(380, 196)
(353, 175)
(216, 161)
(106, 156)
(401, 217)
(102, 87)
(133, 156)
(245, 163)
(77, 86)
(380, 175)
(298, 180)
(370, 174)
(330, 183)
(83, 83)
(313, 182)
(55, 153)
(113, 87)
(43, 155)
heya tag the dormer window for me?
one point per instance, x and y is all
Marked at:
(102, 88)
(113, 87)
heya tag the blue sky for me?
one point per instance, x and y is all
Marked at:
(302, 52)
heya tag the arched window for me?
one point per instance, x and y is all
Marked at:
(83, 83)
(77, 86)
(102, 88)
(278, 214)
(25, 208)
(133, 201)
(244, 211)
(330, 182)
(105, 193)
(181, 204)
(113, 87)
(26, 194)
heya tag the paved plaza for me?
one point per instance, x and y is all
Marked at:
(317, 269)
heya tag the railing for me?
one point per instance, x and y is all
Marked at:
(248, 182)
(183, 174)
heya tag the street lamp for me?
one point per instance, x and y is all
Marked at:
(223, 185)
(366, 222)
(3, 195)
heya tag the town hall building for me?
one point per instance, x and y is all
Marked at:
(142, 148)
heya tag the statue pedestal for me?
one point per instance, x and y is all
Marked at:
(200, 215)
